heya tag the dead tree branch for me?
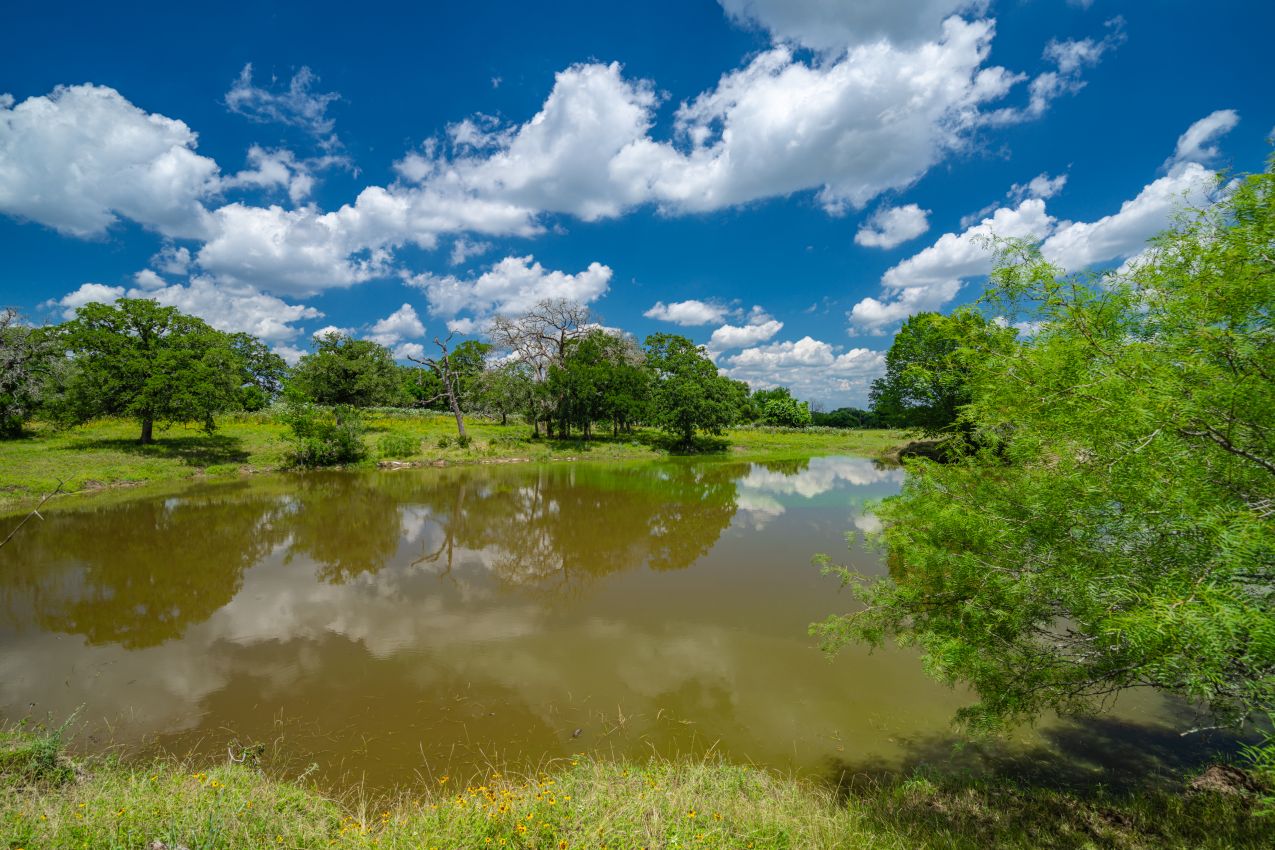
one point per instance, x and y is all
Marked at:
(35, 512)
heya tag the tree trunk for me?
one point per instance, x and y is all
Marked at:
(455, 404)
(148, 428)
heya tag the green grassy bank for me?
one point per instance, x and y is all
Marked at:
(47, 801)
(106, 453)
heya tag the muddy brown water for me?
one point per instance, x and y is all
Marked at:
(391, 625)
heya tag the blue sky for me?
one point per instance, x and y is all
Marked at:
(782, 180)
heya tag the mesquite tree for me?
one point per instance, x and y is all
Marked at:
(1111, 524)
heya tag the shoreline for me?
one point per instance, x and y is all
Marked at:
(52, 801)
(103, 457)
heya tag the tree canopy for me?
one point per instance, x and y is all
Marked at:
(152, 363)
(778, 407)
(928, 369)
(349, 371)
(27, 357)
(689, 395)
(1112, 529)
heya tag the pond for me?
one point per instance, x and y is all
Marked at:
(396, 624)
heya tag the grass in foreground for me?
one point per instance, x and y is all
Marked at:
(583, 803)
(106, 453)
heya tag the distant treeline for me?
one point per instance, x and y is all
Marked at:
(554, 367)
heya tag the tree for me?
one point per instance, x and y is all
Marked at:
(27, 357)
(539, 339)
(503, 389)
(540, 336)
(778, 407)
(420, 387)
(846, 417)
(601, 378)
(344, 370)
(1112, 529)
(688, 393)
(151, 363)
(928, 366)
(457, 372)
(263, 373)
(468, 361)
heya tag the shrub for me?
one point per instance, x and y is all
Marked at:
(398, 445)
(35, 757)
(786, 412)
(444, 442)
(325, 437)
(464, 440)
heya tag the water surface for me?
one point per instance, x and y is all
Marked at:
(388, 625)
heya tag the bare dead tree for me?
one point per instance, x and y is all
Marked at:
(442, 367)
(540, 337)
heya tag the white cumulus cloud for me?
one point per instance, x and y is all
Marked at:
(874, 120)
(402, 324)
(813, 369)
(513, 285)
(760, 327)
(932, 277)
(837, 24)
(890, 227)
(1077, 245)
(88, 293)
(230, 308)
(82, 157)
(689, 313)
(1196, 144)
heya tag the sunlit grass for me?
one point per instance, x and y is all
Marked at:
(586, 803)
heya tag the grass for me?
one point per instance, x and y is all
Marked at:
(105, 804)
(106, 453)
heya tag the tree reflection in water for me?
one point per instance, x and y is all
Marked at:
(139, 572)
(562, 526)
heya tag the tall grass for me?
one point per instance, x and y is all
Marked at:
(584, 803)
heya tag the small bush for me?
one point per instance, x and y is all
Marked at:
(322, 437)
(464, 441)
(444, 442)
(398, 445)
(35, 758)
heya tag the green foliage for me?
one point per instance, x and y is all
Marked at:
(847, 417)
(601, 378)
(27, 360)
(468, 362)
(398, 445)
(504, 389)
(421, 388)
(36, 756)
(263, 372)
(147, 362)
(928, 368)
(778, 407)
(688, 393)
(347, 371)
(1114, 529)
(324, 436)
(1260, 761)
